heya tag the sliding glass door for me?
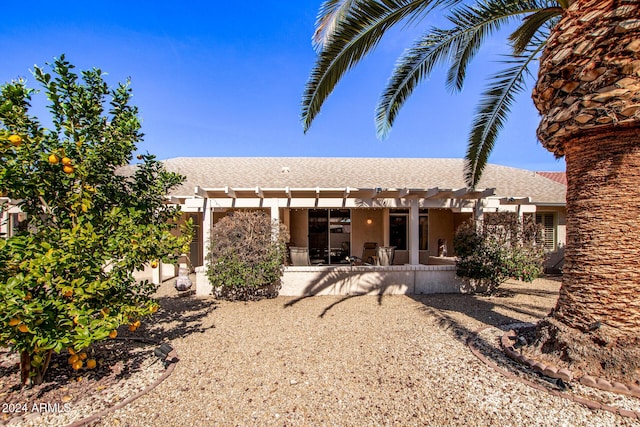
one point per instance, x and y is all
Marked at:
(329, 235)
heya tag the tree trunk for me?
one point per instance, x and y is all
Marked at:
(595, 325)
(25, 367)
(31, 373)
(588, 93)
(601, 282)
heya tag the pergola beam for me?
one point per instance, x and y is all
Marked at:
(200, 192)
(460, 193)
(229, 192)
(347, 191)
(431, 193)
(515, 200)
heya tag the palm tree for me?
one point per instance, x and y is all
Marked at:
(588, 92)
(346, 30)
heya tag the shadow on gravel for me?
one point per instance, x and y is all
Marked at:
(118, 359)
(179, 316)
(514, 304)
(463, 315)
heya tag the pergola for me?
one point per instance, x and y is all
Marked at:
(476, 201)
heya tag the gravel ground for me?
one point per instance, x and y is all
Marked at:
(347, 361)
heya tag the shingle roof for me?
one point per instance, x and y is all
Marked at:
(560, 177)
(311, 172)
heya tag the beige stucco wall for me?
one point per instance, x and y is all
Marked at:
(441, 225)
(344, 280)
(361, 232)
(298, 227)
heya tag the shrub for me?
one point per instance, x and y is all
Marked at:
(245, 261)
(66, 277)
(499, 248)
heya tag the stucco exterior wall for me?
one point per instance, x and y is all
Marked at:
(361, 232)
(298, 227)
(441, 226)
(344, 280)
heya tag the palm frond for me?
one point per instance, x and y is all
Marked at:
(414, 66)
(522, 36)
(480, 21)
(331, 12)
(457, 45)
(356, 34)
(494, 107)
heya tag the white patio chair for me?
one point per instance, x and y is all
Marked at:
(299, 255)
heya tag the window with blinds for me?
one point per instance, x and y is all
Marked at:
(548, 230)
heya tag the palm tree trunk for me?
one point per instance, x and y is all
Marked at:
(601, 282)
(595, 325)
(588, 93)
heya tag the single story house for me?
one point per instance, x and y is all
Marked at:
(401, 213)
(397, 215)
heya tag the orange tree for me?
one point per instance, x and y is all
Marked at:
(66, 278)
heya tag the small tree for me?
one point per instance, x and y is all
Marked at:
(247, 254)
(66, 280)
(498, 248)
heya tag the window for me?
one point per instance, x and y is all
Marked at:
(398, 230)
(548, 230)
(424, 231)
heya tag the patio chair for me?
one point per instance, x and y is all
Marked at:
(299, 255)
(384, 255)
(369, 254)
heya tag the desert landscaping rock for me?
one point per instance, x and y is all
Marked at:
(356, 360)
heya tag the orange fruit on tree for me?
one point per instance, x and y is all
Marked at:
(113, 334)
(154, 264)
(77, 365)
(91, 363)
(73, 359)
(136, 323)
(54, 159)
(16, 140)
(132, 328)
(68, 292)
(68, 169)
(66, 161)
(71, 351)
(82, 356)
(13, 322)
(23, 328)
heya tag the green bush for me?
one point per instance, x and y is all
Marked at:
(499, 248)
(245, 261)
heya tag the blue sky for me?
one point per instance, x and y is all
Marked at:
(226, 79)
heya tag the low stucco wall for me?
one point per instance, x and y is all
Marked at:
(157, 275)
(346, 280)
